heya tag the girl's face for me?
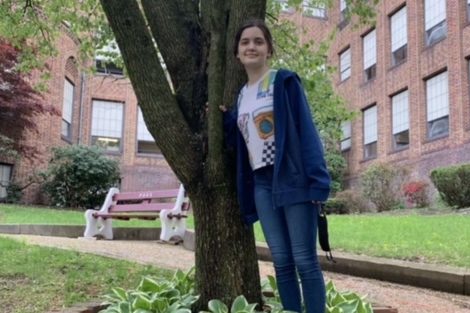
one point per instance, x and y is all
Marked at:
(253, 50)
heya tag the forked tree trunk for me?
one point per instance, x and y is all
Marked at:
(194, 38)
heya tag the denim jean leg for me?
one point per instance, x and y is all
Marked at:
(276, 233)
(302, 224)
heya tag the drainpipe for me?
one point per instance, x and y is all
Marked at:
(82, 91)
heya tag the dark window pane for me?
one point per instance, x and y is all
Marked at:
(436, 33)
(108, 68)
(401, 140)
(399, 55)
(438, 127)
(147, 147)
(370, 150)
(370, 72)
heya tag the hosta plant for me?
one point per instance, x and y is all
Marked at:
(154, 296)
(345, 302)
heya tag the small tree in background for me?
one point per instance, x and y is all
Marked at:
(453, 185)
(19, 104)
(79, 176)
(382, 185)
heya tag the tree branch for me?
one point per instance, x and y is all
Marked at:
(176, 29)
(161, 113)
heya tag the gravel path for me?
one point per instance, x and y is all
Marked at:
(406, 299)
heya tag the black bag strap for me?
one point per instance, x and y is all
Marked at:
(323, 233)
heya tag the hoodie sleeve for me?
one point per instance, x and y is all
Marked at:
(230, 128)
(310, 143)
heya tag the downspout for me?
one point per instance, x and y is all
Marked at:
(82, 91)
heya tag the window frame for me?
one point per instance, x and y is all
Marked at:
(3, 189)
(431, 121)
(95, 137)
(441, 25)
(308, 11)
(346, 139)
(370, 147)
(370, 70)
(68, 125)
(347, 69)
(400, 53)
(402, 132)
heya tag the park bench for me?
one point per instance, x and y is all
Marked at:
(171, 206)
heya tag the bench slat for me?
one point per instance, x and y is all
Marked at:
(139, 195)
(141, 207)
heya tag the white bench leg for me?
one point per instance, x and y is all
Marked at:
(171, 227)
(97, 226)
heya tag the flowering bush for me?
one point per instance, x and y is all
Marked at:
(417, 193)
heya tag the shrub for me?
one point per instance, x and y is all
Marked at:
(381, 184)
(79, 176)
(14, 193)
(347, 202)
(453, 184)
(417, 194)
(336, 167)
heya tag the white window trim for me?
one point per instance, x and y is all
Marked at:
(346, 128)
(98, 128)
(67, 105)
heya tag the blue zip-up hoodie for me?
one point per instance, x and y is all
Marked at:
(300, 173)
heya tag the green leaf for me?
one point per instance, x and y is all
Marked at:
(239, 304)
(124, 307)
(120, 293)
(142, 302)
(149, 285)
(217, 306)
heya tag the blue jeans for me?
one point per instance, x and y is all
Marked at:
(291, 234)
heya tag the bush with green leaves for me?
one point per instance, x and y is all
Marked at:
(453, 184)
(347, 202)
(79, 176)
(336, 167)
(155, 296)
(382, 185)
(177, 295)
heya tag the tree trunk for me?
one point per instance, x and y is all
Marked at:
(195, 42)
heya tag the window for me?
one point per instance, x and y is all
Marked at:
(345, 64)
(103, 59)
(400, 120)
(5, 176)
(310, 10)
(343, 15)
(67, 109)
(145, 141)
(399, 36)
(468, 10)
(346, 136)
(370, 132)
(370, 55)
(435, 20)
(437, 102)
(106, 125)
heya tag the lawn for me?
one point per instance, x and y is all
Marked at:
(436, 238)
(37, 279)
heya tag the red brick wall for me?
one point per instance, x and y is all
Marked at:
(422, 62)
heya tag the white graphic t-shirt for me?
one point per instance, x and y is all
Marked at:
(256, 120)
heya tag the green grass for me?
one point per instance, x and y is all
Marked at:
(442, 238)
(19, 214)
(37, 279)
(436, 238)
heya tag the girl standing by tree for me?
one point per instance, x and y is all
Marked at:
(281, 171)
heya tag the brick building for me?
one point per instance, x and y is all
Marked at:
(407, 77)
(96, 109)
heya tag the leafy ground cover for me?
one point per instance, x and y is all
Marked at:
(38, 279)
(438, 236)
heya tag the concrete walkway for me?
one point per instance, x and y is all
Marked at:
(406, 299)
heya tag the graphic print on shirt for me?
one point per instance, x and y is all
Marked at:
(266, 86)
(243, 126)
(264, 121)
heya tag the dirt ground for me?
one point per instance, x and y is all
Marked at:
(405, 298)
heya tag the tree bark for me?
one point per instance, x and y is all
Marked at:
(195, 42)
